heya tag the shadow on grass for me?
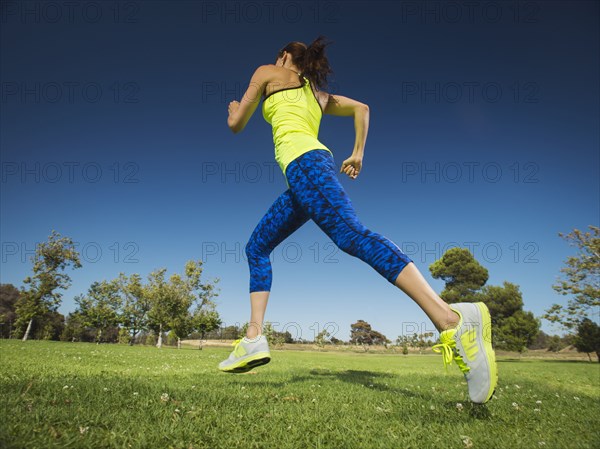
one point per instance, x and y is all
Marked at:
(359, 377)
(370, 378)
(375, 380)
(475, 411)
(367, 378)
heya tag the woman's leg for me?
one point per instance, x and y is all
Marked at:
(281, 220)
(314, 183)
(411, 281)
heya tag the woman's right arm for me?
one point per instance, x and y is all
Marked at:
(346, 107)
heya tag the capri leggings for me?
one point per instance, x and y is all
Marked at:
(315, 193)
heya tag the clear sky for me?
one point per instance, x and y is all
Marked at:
(484, 133)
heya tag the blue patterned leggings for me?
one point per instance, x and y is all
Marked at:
(316, 193)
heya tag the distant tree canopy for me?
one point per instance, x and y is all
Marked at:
(513, 328)
(9, 294)
(588, 338)
(42, 295)
(361, 333)
(179, 305)
(462, 274)
(581, 280)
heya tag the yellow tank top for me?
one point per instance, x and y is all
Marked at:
(295, 115)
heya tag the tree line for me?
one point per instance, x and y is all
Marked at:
(182, 305)
(127, 306)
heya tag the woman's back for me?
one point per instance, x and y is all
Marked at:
(293, 109)
(284, 78)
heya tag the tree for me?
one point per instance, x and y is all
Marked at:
(334, 341)
(50, 260)
(170, 302)
(100, 307)
(205, 321)
(320, 338)
(163, 304)
(555, 343)
(180, 321)
(581, 279)
(516, 332)
(135, 304)
(513, 329)
(361, 333)
(204, 317)
(541, 341)
(503, 302)
(402, 340)
(224, 333)
(588, 338)
(75, 328)
(273, 337)
(53, 325)
(423, 341)
(9, 294)
(414, 340)
(461, 272)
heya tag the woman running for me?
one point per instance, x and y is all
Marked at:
(293, 103)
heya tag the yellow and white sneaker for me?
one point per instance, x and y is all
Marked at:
(470, 346)
(247, 354)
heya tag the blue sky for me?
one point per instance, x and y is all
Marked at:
(484, 133)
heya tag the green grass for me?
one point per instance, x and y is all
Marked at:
(100, 396)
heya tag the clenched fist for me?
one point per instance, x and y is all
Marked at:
(233, 106)
(352, 166)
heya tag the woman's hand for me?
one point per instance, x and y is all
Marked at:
(352, 166)
(233, 106)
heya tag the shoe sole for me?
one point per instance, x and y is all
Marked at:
(258, 359)
(486, 336)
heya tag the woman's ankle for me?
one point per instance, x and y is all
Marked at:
(252, 336)
(452, 321)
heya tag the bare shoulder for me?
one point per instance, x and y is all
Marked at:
(278, 78)
(277, 74)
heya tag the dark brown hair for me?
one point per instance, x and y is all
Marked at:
(311, 60)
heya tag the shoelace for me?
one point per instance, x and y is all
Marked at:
(235, 345)
(448, 350)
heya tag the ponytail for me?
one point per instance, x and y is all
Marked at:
(315, 65)
(311, 60)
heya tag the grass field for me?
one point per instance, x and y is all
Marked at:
(99, 396)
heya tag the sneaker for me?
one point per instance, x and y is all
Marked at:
(247, 354)
(470, 346)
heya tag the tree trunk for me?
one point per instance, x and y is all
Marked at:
(159, 342)
(178, 343)
(133, 334)
(99, 336)
(26, 336)
(598, 355)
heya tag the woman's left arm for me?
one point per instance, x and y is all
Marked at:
(240, 112)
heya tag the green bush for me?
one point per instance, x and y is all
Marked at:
(124, 336)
